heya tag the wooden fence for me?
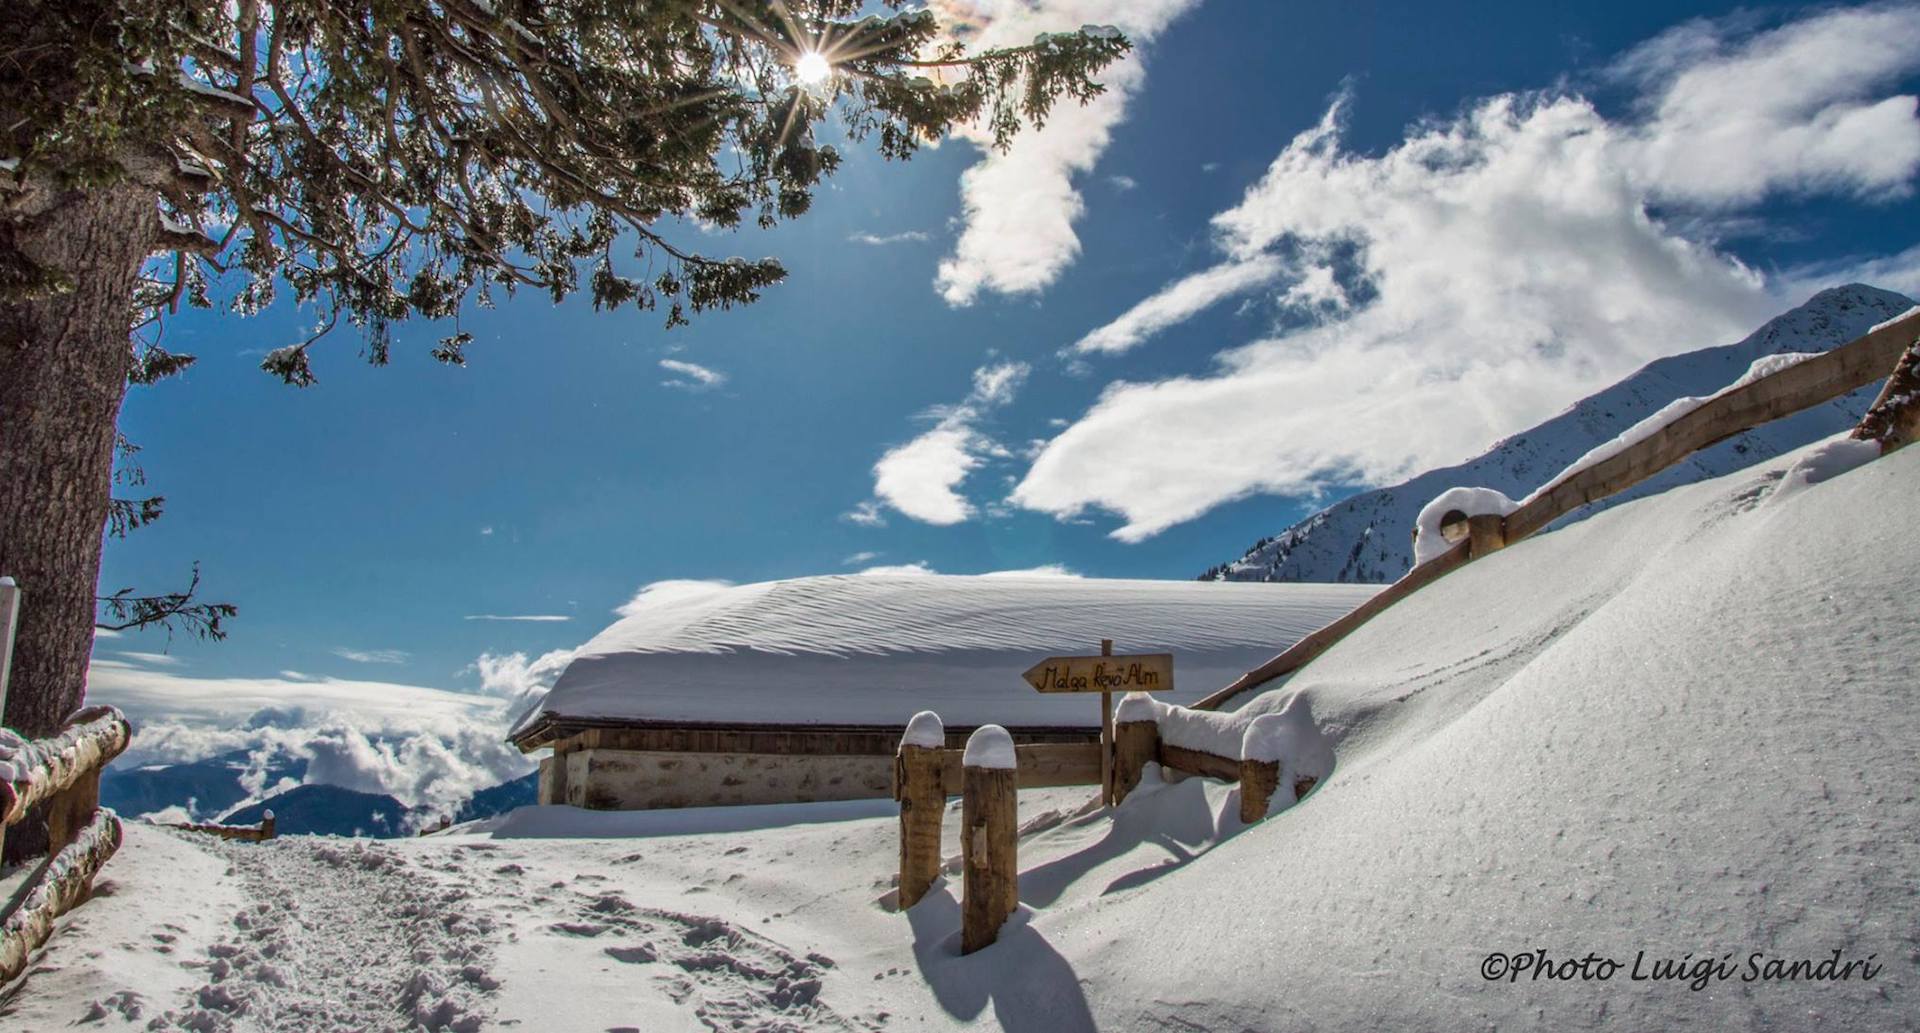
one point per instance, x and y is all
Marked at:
(62, 773)
(1893, 421)
(247, 833)
(925, 775)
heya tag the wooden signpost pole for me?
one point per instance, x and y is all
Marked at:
(1106, 736)
(1105, 674)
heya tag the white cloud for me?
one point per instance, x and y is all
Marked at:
(865, 556)
(692, 376)
(372, 656)
(1732, 117)
(1179, 301)
(1122, 183)
(1897, 272)
(879, 240)
(517, 679)
(530, 617)
(150, 659)
(1504, 263)
(921, 478)
(918, 568)
(425, 746)
(866, 513)
(1045, 570)
(671, 592)
(1019, 206)
(485, 531)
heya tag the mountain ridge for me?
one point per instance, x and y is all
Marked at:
(1367, 537)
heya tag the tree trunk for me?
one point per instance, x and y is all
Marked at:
(63, 374)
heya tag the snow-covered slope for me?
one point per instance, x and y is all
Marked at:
(874, 649)
(1368, 538)
(1682, 731)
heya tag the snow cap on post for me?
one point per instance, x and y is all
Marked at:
(1470, 502)
(1136, 706)
(1292, 738)
(925, 730)
(990, 747)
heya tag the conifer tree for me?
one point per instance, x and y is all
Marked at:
(385, 159)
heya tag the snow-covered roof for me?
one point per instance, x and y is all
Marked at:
(872, 650)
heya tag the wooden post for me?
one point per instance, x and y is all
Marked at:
(1107, 798)
(917, 785)
(72, 809)
(553, 779)
(1894, 418)
(1134, 744)
(1486, 533)
(1258, 780)
(989, 816)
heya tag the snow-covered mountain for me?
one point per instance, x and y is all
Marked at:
(1368, 537)
(212, 789)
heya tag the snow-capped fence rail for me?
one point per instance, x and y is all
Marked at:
(62, 881)
(247, 833)
(63, 772)
(1788, 389)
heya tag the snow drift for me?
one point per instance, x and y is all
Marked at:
(1679, 736)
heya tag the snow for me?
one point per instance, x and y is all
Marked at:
(1292, 738)
(1910, 312)
(990, 747)
(1428, 542)
(1683, 727)
(925, 730)
(1765, 366)
(23, 759)
(876, 649)
(1135, 706)
(1825, 461)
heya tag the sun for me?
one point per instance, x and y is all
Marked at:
(812, 68)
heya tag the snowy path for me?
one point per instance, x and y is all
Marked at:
(767, 919)
(343, 935)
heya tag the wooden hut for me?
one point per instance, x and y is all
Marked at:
(791, 691)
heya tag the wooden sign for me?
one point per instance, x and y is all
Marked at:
(1137, 672)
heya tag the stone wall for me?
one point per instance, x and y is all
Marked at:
(629, 780)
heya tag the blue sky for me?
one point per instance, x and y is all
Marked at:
(1657, 178)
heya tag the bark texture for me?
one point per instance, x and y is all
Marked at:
(63, 374)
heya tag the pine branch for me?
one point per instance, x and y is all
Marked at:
(126, 515)
(171, 610)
